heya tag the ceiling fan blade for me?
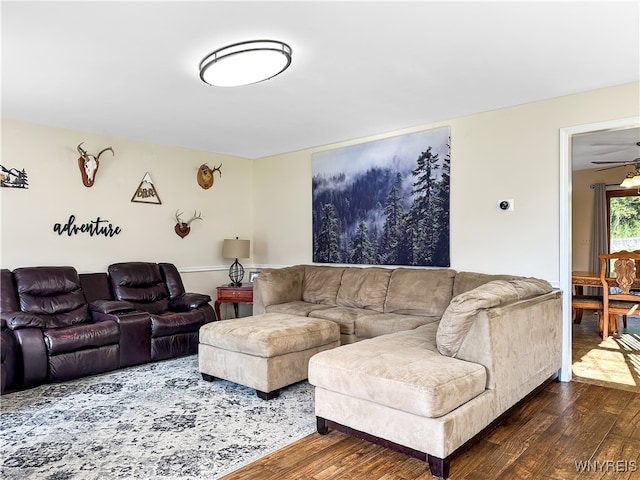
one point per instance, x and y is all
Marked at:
(620, 162)
(635, 163)
(609, 168)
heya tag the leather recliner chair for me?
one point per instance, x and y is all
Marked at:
(9, 351)
(57, 336)
(176, 316)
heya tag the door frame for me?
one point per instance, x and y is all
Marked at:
(566, 135)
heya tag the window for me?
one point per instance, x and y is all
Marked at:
(623, 213)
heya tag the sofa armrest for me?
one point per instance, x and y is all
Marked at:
(520, 345)
(188, 301)
(460, 314)
(277, 285)
(33, 356)
(111, 306)
(18, 320)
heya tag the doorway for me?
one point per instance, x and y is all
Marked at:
(565, 246)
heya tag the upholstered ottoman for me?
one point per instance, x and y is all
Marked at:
(265, 352)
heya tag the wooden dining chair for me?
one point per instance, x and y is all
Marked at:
(620, 288)
(581, 302)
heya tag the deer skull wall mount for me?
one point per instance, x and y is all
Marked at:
(205, 175)
(183, 228)
(89, 164)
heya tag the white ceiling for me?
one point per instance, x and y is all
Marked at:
(359, 68)
(605, 146)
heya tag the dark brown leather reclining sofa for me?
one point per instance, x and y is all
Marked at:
(58, 325)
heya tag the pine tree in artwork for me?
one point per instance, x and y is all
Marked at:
(420, 220)
(363, 251)
(393, 230)
(22, 179)
(327, 241)
(441, 207)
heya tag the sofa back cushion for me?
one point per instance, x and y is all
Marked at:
(172, 278)
(424, 292)
(52, 293)
(466, 281)
(460, 315)
(279, 285)
(321, 284)
(8, 292)
(96, 287)
(140, 283)
(364, 288)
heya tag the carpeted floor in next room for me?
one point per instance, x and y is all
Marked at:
(153, 421)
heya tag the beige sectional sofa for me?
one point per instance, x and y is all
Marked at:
(430, 357)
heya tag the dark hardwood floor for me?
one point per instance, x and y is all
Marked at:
(553, 436)
(544, 438)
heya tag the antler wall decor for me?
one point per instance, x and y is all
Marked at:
(205, 175)
(89, 164)
(183, 228)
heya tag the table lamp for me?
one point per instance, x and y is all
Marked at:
(235, 248)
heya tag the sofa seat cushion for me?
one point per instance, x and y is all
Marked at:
(171, 323)
(80, 337)
(298, 307)
(403, 371)
(269, 334)
(376, 325)
(344, 316)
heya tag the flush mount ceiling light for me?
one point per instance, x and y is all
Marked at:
(245, 63)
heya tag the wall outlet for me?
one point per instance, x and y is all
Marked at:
(506, 205)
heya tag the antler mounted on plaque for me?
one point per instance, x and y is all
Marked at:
(183, 228)
(205, 175)
(89, 164)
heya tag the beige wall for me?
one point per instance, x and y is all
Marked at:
(582, 214)
(56, 191)
(507, 153)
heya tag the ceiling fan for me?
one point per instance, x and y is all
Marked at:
(633, 178)
(618, 163)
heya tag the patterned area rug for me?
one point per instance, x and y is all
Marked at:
(154, 421)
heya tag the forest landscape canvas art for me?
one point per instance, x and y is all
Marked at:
(384, 202)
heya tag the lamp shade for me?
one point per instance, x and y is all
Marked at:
(235, 248)
(632, 179)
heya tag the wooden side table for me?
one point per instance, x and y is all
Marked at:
(235, 295)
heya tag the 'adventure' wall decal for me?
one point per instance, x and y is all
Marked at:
(95, 227)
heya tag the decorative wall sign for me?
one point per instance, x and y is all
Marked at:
(146, 192)
(181, 228)
(89, 164)
(97, 227)
(13, 178)
(205, 175)
(384, 202)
